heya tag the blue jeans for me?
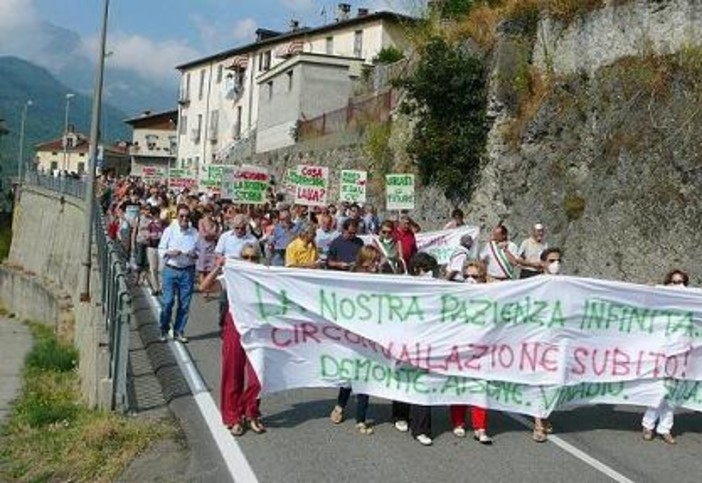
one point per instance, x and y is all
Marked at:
(178, 283)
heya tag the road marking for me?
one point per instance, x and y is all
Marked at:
(237, 464)
(581, 455)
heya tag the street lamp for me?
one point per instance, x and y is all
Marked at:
(20, 160)
(69, 96)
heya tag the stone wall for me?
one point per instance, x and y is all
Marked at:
(39, 281)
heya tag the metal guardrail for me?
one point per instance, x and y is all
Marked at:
(115, 296)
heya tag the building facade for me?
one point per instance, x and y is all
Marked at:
(69, 154)
(154, 140)
(220, 95)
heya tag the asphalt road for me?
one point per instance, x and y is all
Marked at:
(303, 446)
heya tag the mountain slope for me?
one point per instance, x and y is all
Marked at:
(20, 81)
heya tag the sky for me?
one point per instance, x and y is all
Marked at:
(151, 37)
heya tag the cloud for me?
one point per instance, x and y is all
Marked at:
(217, 36)
(19, 26)
(149, 59)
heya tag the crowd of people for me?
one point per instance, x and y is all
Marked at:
(178, 243)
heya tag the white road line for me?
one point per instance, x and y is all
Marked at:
(581, 455)
(237, 464)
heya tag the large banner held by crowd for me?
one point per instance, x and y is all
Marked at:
(530, 346)
(311, 185)
(246, 184)
(439, 244)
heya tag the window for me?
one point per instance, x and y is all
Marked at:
(214, 125)
(290, 80)
(70, 142)
(151, 140)
(54, 153)
(173, 144)
(185, 92)
(81, 167)
(358, 43)
(54, 165)
(237, 126)
(82, 155)
(183, 125)
(329, 49)
(220, 69)
(240, 77)
(264, 60)
(201, 89)
(270, 90)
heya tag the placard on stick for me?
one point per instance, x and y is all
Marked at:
(311, 185)
(399, 191)
(352, 188)
(246, 184)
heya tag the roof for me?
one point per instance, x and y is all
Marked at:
(81, 146)
(147, 116)
(302, 32)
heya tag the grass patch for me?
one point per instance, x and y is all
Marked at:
(51, 436)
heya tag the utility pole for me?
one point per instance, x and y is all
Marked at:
(92, 159)
(20, 160)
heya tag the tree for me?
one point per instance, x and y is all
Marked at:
(446, 97)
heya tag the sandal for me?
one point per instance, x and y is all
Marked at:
(539, 435)
(364, 428)
(237, 429)
(257, 426)
(548, 427)
(337, 414)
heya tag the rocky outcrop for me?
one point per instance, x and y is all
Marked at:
(607, 152)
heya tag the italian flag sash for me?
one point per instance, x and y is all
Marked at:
(499, 255)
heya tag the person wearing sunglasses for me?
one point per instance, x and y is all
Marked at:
(659, 419)
(474, 272)
(240, 387)
(178, 249)
(390, 248)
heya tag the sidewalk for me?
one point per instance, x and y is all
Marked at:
(15, 343)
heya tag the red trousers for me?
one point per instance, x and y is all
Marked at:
(240, 392)
(478, 416)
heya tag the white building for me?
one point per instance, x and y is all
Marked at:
(154, 140)
(220, 94)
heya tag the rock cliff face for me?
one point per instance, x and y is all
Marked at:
(604, 146)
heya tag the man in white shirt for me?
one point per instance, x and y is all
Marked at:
(499, 255)
(178, 251)
(459, 258)
(530, 252)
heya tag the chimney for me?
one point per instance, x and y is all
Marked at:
(363, 12)
(294, 25)
(146, 113)
(343, 12)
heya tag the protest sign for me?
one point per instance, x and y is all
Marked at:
(352, 188)
(154, 174)
(399, 191)
(246, 184)
(181, 178)
(529, 346)
(211, 177)
(311, 185)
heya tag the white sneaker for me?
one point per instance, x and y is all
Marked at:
(481, 436)
(402, 426)
(424, 440)
(459, 432)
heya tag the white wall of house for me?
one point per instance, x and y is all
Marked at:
(50, 161)
(208, 93)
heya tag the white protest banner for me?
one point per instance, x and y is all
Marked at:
(181, 178)
(399, 191)
(311, 185)
(154, 174)
(529, 346)
(247, 184)
(439, 244)
(352, 188)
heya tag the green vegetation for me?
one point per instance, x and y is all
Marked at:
(574, 206)
(446, 95)
(388, 55)
(51, 436)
